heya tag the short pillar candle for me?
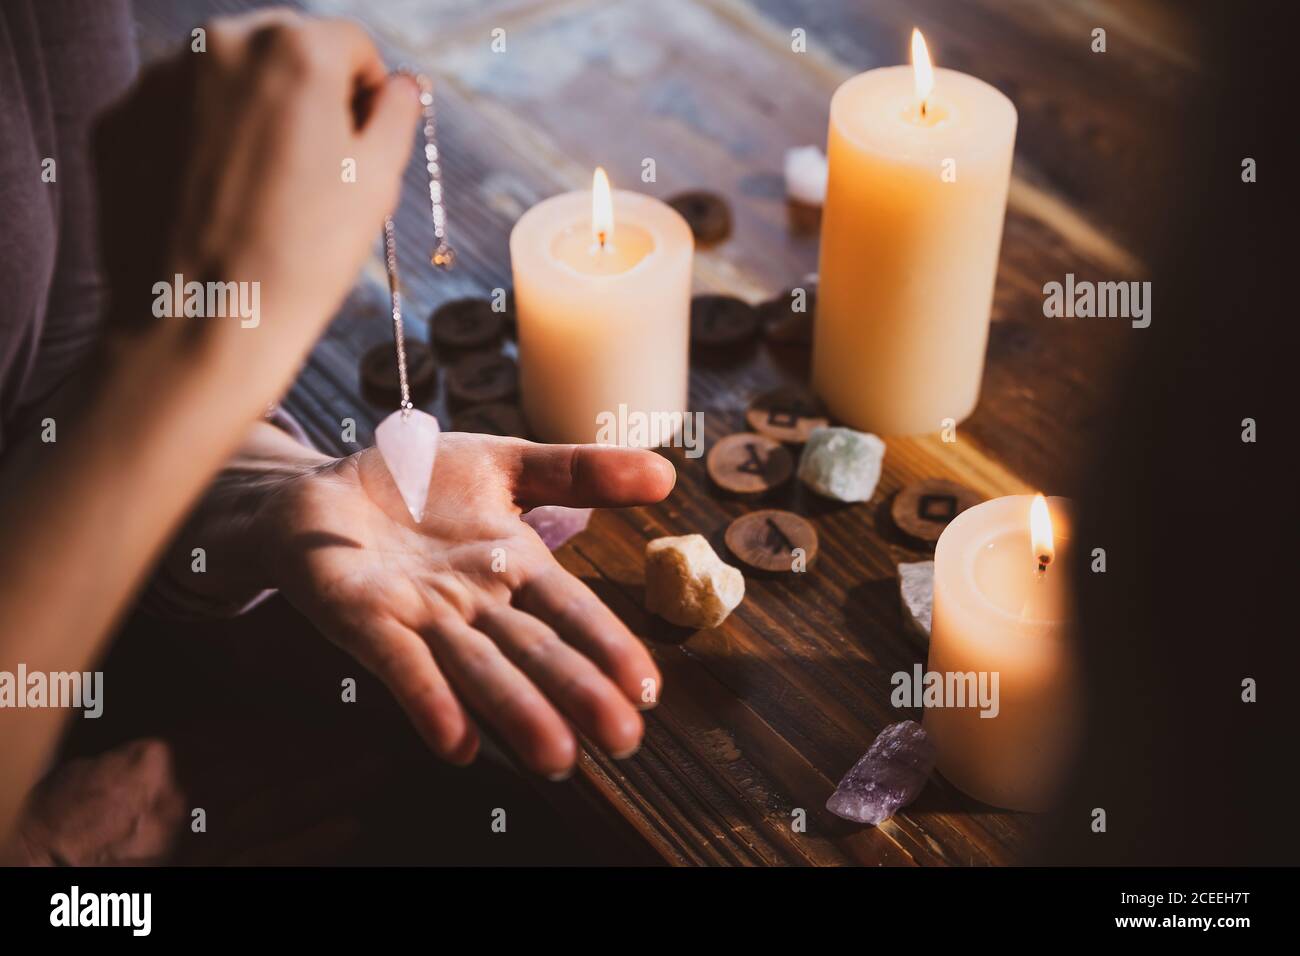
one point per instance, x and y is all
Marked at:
(602, 300)
(1002, 604)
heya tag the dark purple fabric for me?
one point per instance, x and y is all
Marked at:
(61, 63)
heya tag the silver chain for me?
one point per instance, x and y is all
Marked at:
(443, 256)
(395, 303)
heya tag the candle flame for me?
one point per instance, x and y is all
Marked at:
(602, 208)
(1040, 532)
(922, 71)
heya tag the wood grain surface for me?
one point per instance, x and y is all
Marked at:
(762, 715)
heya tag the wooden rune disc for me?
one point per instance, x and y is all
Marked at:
(749, 464)
(481, 378)
(924, 508)
(379, 379)
(788, 414)
(465, 324)
(708, 215)
(495, 419)
(718, 321)
(767, 540)
(780, 322)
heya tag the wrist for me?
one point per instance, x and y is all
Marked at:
(222, 369)
(272, 533)
(234, 546)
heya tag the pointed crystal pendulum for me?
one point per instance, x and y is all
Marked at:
(407, 440)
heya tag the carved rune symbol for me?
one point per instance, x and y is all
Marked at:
(784, 417)
(936, 507)
(776, 540)
(754, 464)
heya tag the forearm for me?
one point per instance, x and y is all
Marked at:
(85, 522)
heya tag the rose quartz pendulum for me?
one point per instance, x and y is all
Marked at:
(407, 440)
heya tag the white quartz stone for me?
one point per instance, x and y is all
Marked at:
(688, 584)
(916, 587)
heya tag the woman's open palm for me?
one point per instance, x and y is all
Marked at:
(469, 611)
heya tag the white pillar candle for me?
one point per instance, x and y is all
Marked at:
(920, 164)
(603, 302)
(999, 607)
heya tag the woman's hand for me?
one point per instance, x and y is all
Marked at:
(223, 166)
(469, 611)
(235, 164)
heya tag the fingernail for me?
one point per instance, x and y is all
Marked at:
(560, 775)
(628, 753)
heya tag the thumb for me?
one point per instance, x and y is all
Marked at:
(389, 126)
(589, 476)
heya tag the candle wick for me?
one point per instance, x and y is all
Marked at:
(600, 237)
(923, 109)
(1043, 561)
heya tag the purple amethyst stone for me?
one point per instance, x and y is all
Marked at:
(888, 777)
(556, 524)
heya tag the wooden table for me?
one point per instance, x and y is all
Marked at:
(761, 716)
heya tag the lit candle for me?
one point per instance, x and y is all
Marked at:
(603, 299)
(920, 164)
(1002, 605)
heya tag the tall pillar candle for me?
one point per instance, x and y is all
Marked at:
(602, 300)
(1002, 606)
(920, 164)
